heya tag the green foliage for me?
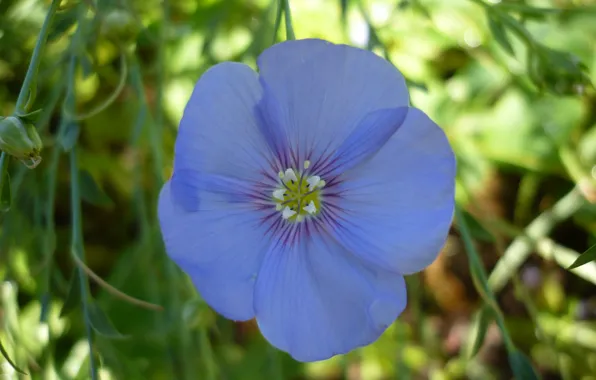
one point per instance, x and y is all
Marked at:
(586, 257)
(96, 89)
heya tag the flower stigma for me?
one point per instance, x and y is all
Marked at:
(298, 195)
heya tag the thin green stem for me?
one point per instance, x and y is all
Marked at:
(77, 244)
(288, 19)
(278, 14)
(78, 250)
(28, 89)
(113, 96)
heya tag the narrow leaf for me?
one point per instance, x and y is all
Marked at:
(476, 229)
(69, 136)
(90, 190)
(9, 360)
(584, 258)
(101, 323)
(73, 298)
(31, 117)
(482, 320)
(521, 366)
(498, 31)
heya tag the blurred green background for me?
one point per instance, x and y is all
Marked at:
(82, 263)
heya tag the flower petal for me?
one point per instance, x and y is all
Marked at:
(219, 131)
(220, 247)
(315, 300)
(395, 210)
(369, 136)
(325, 90)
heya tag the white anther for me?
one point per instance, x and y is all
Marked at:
(313, 182)
(281, 174)
(310, 208)
(289, 175)
(299, 218)
(306, 164)
(278, 207)
(288, 213)
(279, 194)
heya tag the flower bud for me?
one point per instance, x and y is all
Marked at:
(19, 139)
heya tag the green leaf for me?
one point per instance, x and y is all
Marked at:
(12, 364)
(521, 366)
(476, 229)
(482, 320)
(30, 117)
(499, 32)
(73, 298)
(101, 323)
(69, 136)
(90, 190)
(584, 258)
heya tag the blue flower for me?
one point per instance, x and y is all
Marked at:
(303, 194)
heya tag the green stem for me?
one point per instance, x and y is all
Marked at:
(112, 97)
(480, 278)
(77, 247)
(519, 250)
(28, 89)
(278, 14)
(288, 19)
(77, 244)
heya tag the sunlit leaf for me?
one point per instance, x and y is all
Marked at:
(584, 258)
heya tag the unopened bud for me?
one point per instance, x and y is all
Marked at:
(20, 140)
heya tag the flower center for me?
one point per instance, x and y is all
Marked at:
(298, 195)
